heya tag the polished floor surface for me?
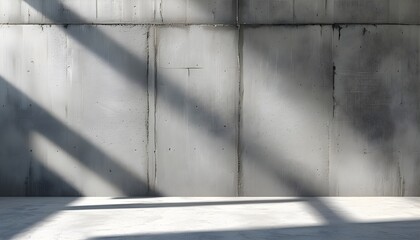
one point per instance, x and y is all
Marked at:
(210, 218)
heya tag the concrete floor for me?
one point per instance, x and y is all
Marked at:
(209, 218)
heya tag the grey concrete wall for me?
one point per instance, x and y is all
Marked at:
(329, 11)
(210, 11)
(215, 98)
(197, 86)
(375, 134)
(72, 119)
(286, 110)
(118, 11)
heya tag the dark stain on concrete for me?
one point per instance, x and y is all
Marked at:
(367, 104)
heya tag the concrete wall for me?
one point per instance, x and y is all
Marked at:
(69, 115)
(118, 11)
(286, 110)
(214, 98)
(196, 110)
(329, 11)
(375, 132)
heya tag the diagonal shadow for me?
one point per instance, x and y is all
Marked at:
(48, 183)
(256, 151)
(210, 118)
(408, 230)
(176, 93)
(378, 96)
(15, 216)
(64, 137)
(179, 204)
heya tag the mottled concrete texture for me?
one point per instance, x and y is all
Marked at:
(329, 11)
(210, 11)
(210, 218)
(71, 123)
(118, 11)
(345, 122)
(376, 131)
(286, 110)
(209, 98)
(196, 11)
(197, 87)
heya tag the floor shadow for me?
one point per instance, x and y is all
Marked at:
(16, 217)
(179, 204)
(30, 177)
(408, 230)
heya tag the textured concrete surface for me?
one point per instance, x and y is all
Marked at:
(70, 123)
(329, 11)
(196, 11)
(286, 110)
(114, 109)
(197, 122)
(210, 218)
(376, 127)
(210, 11)
(118, 11)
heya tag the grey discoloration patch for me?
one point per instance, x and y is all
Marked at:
(367, 102)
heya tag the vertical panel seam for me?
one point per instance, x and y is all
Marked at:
(148, 110)
(155, 105)
(240, 99)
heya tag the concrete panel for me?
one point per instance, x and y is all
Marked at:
(360, 11)
(78, 123)
(47, 11)
(210, 11)
(197, 110)
(285, 11)
(197, 11)
(22, 66)
(77, 11)
(329, 11)
(124, 11)
(376, 130)
(266, 11)
(376, 11)
(118, 11)
(405, 11)
(286, 110)
(312, 11)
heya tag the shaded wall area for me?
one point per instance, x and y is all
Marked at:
(209, 98)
